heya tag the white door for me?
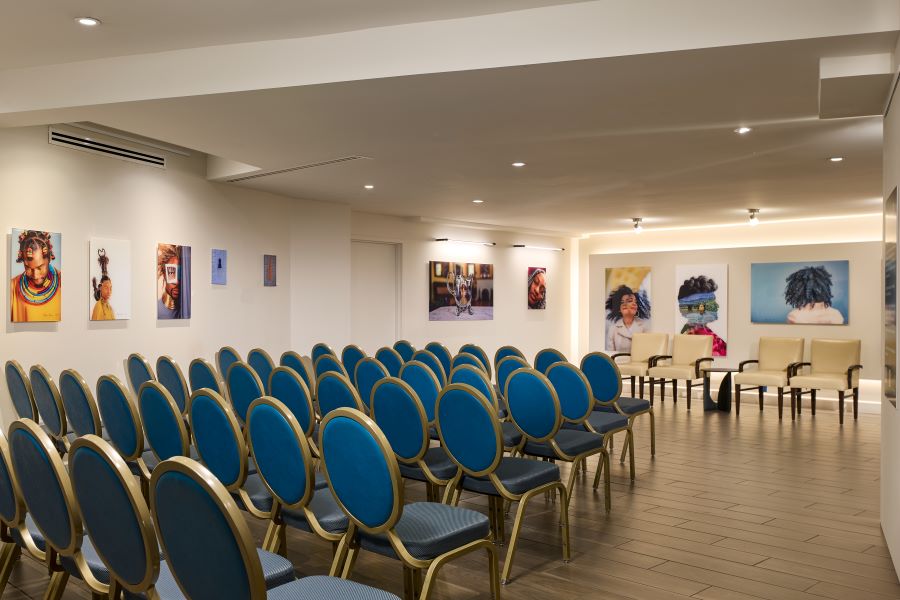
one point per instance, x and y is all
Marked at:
(375, 296)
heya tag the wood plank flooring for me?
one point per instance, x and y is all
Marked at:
(729, 510)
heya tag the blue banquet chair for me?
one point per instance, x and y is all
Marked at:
(504, 351)
(328, 363)
(336, 391)
(404, 349)
(287, 386)
(364, 476)
(425, 383)
(78, 401)
(442, 354)
(391, 360)
(547, 357)
(138, 370)
(470, 432)
(260, 361)
(164, 426)
(369, 371)
(350, 356)
(296, 362)
(20, 391)
(122, 423)
(50, 406)
(203, 375)
(505, 368)
(428, 358)
(464, 358)
(476, 377)
(320, 350)
(169, 374)
(225, 357)
(244, 386)
(479, 352)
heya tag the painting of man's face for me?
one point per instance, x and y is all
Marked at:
(173, 283)
(36, 268)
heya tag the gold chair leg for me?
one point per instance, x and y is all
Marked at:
(272, 540)
(57, 585)
(493, 571)
(514, 537)
(408, 585)
(630, 440)
(573, 472)
(8, 557)
(564, 522)
(340, 553)
(624, 451)
(352, 553)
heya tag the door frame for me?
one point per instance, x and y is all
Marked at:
(398, 283)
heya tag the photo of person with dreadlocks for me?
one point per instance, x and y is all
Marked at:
(109, 268)
(807, 293)
(537, 288)
(627, 306)
(35, 294)
(173, 281)
(703, 303)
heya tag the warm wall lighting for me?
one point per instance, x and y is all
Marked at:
(754, 216)
(743, 130)
(465, 242)
(477, 201)
(637, 224)
(88, 21)
(369, 186)
(836, 159)
(538, 247)
(518, 164)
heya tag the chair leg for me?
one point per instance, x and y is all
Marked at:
(780, 401)
(8, 557)
(630, 441)
(624, 450)
(604, 461)
(812, 401)
(517, 528)
(841, 405)
(855, 403)
(799, 399)
(564, 523)
(737, 399)
(652, 433)
(793, 403)
(688, 386)
(573, 472)
(57, 585)
(641, 386)
(760, 398)
(632, 385)
(652, 385)
(674, 391)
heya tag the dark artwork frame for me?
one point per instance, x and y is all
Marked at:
(889, 380)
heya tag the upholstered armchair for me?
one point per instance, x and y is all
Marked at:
(689, 352)
(777, 356)
(644, 346)
(833, 365)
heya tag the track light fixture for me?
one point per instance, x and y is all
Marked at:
(465, 242)
(754, 216)
(539, 247)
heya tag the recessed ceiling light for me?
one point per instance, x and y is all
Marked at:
(477, 201)
(743, 130)
(518, 164)
(369, 186)
(88, 21)
(836, 158)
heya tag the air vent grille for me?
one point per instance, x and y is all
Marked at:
(324, 163)
(86, 144)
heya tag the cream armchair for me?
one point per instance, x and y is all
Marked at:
(644, 346)
(777, 356)
(689, 352)
(833, 365)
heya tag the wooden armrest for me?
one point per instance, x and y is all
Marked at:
(744, 363)
(653, 360)
(793, 368)
(698, 362)
(618, 354)
(850, 374)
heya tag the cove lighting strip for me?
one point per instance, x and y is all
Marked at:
(539, 247)
(465, 242)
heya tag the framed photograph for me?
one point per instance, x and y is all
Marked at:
(269, 270)
(173, 281)
(627, 305)
(702, 302)
(219, 274)
(109, 268)
(889, 380)
(800, 293)
(35, 261)
(537, 288)
(460, 292)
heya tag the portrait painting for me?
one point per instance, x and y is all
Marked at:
(702, 300)
(35, 289)
(627, 305)
(537, 288)
(800, 293)
(270, 271)
(889, 378)
(460, 291)
(173, 282)
(109, 269)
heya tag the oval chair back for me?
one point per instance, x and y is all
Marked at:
(604, 377)
(476, 377)
(469, 429)
(422, 379)
(465, 358)
(533, 404)
(442, 354)
(546, 357)
(428, 358)
(328, 363)
(78, 400)
(244, 386)
(368, 372)
(20, 391)
(479, 352)
(504, 351)
(169, 374)
(12, 509)
(320, 350)
(163, 422)
(391, 360)
(217, 437)
(260, 361)
(296, 362)
(399, 414)
(49, 402)
(138, 370)
(404, 349)
(350, 357)
(361, 469)
(225, 357)
(120, 418)
(505, 368)
(286, 386)
(114, 513)
(576, 400)
(203, 375)
(336, 391)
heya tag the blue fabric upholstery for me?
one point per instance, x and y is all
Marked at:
(547, 357)
(468, 429)
(511, 434)
(244, 387)
(117, 416)
(368, 372)
(260, 362)
(226, 357)
(215, 439)
(518, 475)
(479, 352)
(439, 463)
(162, 423)
(391, 360)
(259, 494)
(505, 368)
(79, 404)
(570, 441)
(320, 350)
(286, 386)
(170, 377)
(279, 456)
(531, 404)
(603, 375)
(293, 361)
(505, 351)
(429, 529)
(45, 396)
(328, 513)
(358, 470)
(320, 587)
(404, 349)
(396, 411)
(465, 358)
(442, 354)
(20, 391)
(328, 363)
(428, 358)
(166, 586)
(475, 377)
(601, 421)
(425, 383)
(8, 501)
(629, 406)
(36, 536)
(335, 391)
(575, 398)
(138, 371)
(202, 376)
(350, 357)
(93, 560)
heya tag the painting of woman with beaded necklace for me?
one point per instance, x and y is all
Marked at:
(35, 292)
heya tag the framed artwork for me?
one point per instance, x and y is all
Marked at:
(460, 291)
(537, 288)
(800, 293)
(889, 380)
(702, 301)
(627, 305)
(173, 281)
(219, 273)
(270, 271)
(35, 262)
(109, 269)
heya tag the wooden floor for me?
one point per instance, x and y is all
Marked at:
(728, 510)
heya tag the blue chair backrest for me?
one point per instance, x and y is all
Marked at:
(293, 360)
(12, 509)
(336, 391)
(203, 375)
(400, 415)
(81, 409)
(49, 404)
(20, 391)
(218, 438)
(368, 372)
(244, 386)
(391, 360)
(320, 350)
(44, 484)
(576, 401)
(163, 423)
(404, 349)
(260, 361)
(547, 357)
(505, 369)
(469, 429)
(442, 354)
(328, 363)
(428, 358)
(480, 353)
(281, 451)
(120, 418)
(114, 513)
(350, 356)
(169, 374)
(225, 357)
(139, 371)
(464, 358)
(206, 542)
(425, 383)
(285, 385)
(476, 377)
(533, 404)
(603, 375)
(504, 351)
(362, 471)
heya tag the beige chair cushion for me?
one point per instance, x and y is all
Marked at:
(776, 353)
(645, 345)
(759, 377)
(674, 371)
(823, 381)
(686, 349)
(628, 369)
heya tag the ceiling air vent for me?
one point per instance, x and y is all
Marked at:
(324, 163)
(67, 139)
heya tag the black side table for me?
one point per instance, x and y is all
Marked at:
(723, 398)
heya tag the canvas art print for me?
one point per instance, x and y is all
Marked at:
(537, 288)
(627, 305)
(269, 271)
(35, 262)
(173, 281)
(219, 275)
(109, 268)
(702, 301)
(889, 380)
(460, 291)
(800, 293)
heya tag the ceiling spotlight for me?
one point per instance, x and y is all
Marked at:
(743, 130)
(637, 224)
(465, 242)
(88, 21)
(518, 164)
(477, 201)
(754, 216)
(836, 158)
(369, 186)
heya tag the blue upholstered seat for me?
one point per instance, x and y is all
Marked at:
(570, 441)
(601, 421)
(511, 434)
(319, 587)
(166, 586)
(36, 534)
(438, 462)
(518, 475)
(328, 513)
(629, 406)
(93, 560)
(258, 493)
(429, 529)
